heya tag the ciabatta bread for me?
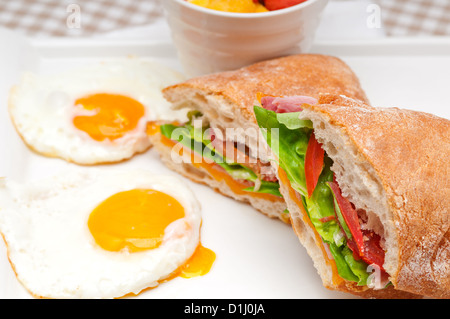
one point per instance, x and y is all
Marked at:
(226, 101)
(394, 164)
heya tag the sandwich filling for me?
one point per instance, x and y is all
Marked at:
(224, 160)
(355, 252)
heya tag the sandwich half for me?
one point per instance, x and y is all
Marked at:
(218, 145)
(368, 191)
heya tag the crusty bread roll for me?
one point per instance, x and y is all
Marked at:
(226, 100)
(394, 164)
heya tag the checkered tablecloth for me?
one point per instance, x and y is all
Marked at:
(415, 17)
(76, 17)
(93, 17)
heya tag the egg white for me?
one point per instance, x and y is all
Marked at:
(54, 255)
(42, 108)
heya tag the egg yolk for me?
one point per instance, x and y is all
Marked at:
(134, 220)
(115, 115)
(199, 264)
(240, 6)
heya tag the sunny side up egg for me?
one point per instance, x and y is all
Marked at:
(101, 233)
(93, 114)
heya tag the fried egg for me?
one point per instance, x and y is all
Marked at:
(93, 114)
(96, 233)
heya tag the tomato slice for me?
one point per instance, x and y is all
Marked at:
(313, 164)
(350, 216)
(365, 244)
(373, 253)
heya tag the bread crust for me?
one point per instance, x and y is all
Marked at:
(409, 151)
(228, 98)
(302, 74)
(272, 209)
(308, 238)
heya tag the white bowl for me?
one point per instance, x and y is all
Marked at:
(211, 41)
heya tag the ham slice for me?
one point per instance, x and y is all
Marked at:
(286, 104)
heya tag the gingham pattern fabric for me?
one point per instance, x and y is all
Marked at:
(89, 17)
(415, 17)
(76, 17)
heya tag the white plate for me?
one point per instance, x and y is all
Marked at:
(257, 257)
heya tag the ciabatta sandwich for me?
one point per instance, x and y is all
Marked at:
(218, 146)
(368, 190)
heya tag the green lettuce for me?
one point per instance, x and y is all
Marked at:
(282, 142)
(292, 121)
(197, 140)
(288, 137)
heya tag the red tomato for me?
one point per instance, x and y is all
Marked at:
(313, 164)
(281, 4)
(373, 253)
(350, 216)
(364, 243)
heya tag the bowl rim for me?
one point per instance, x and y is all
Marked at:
(239, 15)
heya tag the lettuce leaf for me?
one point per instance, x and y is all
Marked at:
(292, 121)
(282, 141)
(342, 266)
(288, 136)
(195, 139)
(320, 205)
(358, 267)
